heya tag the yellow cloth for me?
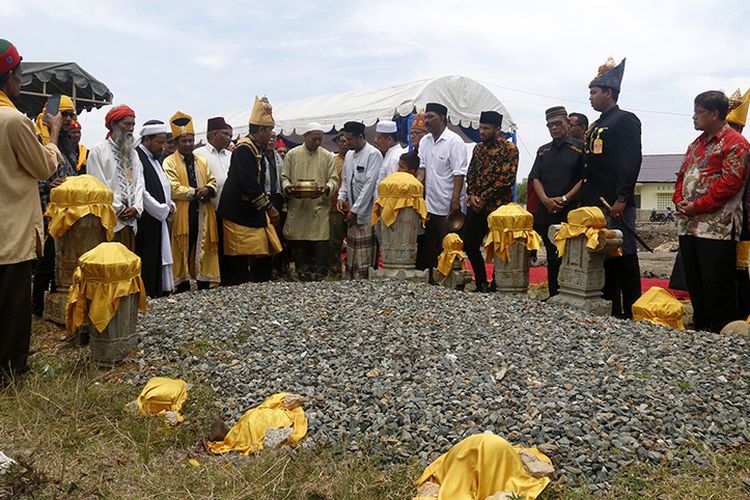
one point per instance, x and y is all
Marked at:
(398, 190)
(247, 434)
(180, 130)
(658, 306)
(161, 395)
(83, 155)
(5, 100)
(66, 104)
(743, 254)
(482, 465)
(78, 197)
(453, 248)
(508, 224)
(104, 274)
(585, 220)
(262, 113)
(256, 241)
(207, 253)
(738, 115)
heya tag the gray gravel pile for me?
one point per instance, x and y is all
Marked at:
(408, 370)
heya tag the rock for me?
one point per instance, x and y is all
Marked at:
(219, 430)
(669, 246)
(502, 495)
(534, 466)
(738, 327)
(274, 438)
(547, 448)
(428, 489)
(5, 463)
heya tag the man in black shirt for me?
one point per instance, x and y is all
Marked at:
(556, 179)
(613, 161)
(579, 124)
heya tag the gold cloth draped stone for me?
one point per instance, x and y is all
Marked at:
(589, 221)
(658, 306)
(103, 276)
(76, 198)
(508, 224)
(398, 190)
(247, 434)
(453, 248)
(162, 394)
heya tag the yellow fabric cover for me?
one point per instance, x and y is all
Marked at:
(256, 241)
(738, 115)
(66, 104)
(247, 434)
(83, 155)
(262, 113)
(743, 254)
(507, 224)
(398, 190)
(482, 465)
(104, 275)
(453, 248)
(162, 394)
(78, 197)
(584, 220)
(658, 306)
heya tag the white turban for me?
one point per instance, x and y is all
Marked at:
(156, 128)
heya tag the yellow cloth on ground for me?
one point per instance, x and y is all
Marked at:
(482, 465)
(256, 241)
(508, 224)
(398, 190)
(658, 306)
(66, 104)
(743, 254)
(78, 197)
(453, 248)
(247, 434)
(585, 220)
(104, 274)
(162, 394)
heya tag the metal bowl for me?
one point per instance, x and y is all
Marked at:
(305, 188)
(455, 221)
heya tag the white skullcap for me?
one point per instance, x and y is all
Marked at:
(386, 127)
(156, 128)
(313, 127)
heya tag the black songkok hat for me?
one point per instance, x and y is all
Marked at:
(609, 75)
(355, 128)
(217, 123)
(491, 118)
(555, 111)
(436, 108)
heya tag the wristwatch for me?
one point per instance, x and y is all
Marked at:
(565, 199)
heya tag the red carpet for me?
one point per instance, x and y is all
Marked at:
(538, 275)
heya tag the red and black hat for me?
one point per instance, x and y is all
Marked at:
(9, 57)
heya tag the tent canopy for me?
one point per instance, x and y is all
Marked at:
(465, 99)
(42, 79)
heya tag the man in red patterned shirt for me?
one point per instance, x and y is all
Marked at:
(708, 197)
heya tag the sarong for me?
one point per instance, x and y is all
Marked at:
(360, 250)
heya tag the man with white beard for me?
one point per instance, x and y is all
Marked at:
(115, 163)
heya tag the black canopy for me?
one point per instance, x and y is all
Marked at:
(42, 79)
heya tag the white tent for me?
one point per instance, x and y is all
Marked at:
(465, 99)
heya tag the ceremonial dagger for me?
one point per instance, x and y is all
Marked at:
(624, 225)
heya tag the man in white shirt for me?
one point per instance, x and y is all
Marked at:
(442, 168)
(386, 140)
(115, 163)
(360, 175)
(216, 152)
(152, 242)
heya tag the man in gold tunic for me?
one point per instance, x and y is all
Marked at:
(195, 237)
(245, 207)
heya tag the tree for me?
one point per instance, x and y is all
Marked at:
(522, 191)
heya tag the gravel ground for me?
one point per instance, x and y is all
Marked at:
(408, 370)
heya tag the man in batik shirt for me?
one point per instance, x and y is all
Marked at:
(489, 184)
(708, 196)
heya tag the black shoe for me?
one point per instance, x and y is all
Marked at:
(481, 287)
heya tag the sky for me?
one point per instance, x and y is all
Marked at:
(211, 58)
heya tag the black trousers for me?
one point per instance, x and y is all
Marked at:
(743, 293)
(261, 269)
(15, 316)
(622, 284)
(711, 273)
(432, 241)
(44, 276)
(553, 261)
(473, 234)
(310, 259)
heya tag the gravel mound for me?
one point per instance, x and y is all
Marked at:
(408, 370)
